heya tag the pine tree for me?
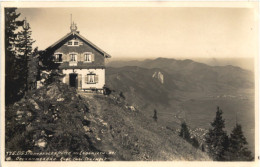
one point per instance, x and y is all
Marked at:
(237, 146)
(202, 148)
(11, 84)
(25, 53)
(194, 142)
(216, 138)
(155, 115)
(18, 50)
(33, 69)
(48, 65)
(184, 133)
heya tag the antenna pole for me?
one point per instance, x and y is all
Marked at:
(70, 19)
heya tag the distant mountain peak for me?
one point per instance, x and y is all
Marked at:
(163, 59)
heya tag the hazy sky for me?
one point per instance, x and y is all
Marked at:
(126, 32)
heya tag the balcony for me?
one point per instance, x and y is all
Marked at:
(73, 63)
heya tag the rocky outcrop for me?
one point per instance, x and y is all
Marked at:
(158, 75)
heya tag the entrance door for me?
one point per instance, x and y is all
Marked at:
(73, 80)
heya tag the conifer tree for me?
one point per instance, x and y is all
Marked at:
(237, 146)
(155, 115)
(216, 138)
(25, 53)
(184, 133)
(33, 69)
(194, 142)
(18, 50)
(202, 148)
(48, 66)
(11, 84)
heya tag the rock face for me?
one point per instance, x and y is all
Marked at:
(158, 75)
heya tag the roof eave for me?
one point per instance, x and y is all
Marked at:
(95, 46)
(106, 55)
(66, 36)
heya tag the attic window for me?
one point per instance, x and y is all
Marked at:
(73, 42)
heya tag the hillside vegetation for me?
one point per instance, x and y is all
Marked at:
(190, 92)
(57, 118)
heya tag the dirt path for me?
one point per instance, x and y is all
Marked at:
(89, 98)
(102, 136)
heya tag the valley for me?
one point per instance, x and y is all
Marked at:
(190, 92)
(120, 125)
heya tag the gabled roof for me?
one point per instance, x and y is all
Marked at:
(75, 33)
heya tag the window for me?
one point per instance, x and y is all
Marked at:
(73, 57)
(91, 78)
(73, 42)
(88, 57)
(58, 57)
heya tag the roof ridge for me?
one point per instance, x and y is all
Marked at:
(83, 38)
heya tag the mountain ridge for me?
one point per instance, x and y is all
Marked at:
(189, 87)
(191, 71)
(121, 63)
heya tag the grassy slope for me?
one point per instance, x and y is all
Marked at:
(57, 118)
(135, 137)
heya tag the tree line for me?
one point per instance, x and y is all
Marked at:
(23, 64)
(218, 145)
(20, 64)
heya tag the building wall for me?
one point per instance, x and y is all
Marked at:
(80, 67)
(65, 49)
(82, 78)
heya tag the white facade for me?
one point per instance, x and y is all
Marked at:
(84, 80)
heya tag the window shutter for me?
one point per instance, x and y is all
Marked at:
(86, 78)
(79, 57)
(64, 57)
(92, 57)
(82, 57)
(96, 78)
(79, 81)
(67, 78)
(68, 57)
